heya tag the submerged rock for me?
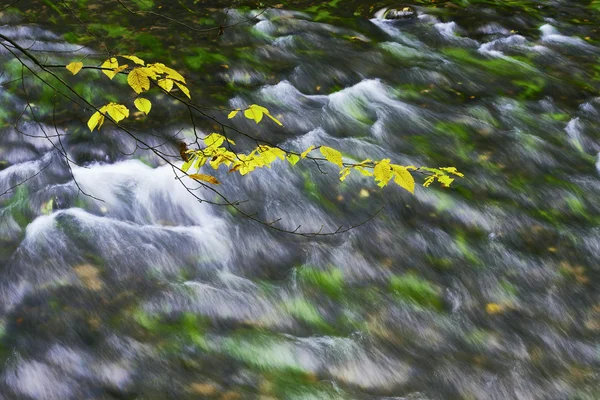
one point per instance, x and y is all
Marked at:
(401, 12)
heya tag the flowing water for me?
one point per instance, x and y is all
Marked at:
(487, 290)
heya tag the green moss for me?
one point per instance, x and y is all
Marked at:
(330, 282)
(414, 290)
(302, 310)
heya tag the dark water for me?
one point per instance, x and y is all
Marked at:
(488, 290)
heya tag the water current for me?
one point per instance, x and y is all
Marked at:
(487, 290)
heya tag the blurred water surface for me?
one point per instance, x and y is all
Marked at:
(487, 290)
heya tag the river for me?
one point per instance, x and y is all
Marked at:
(489, 289)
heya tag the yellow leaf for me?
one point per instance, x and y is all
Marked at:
(274, 119)
(293, 159)
(205, 178)
(117, 112)
(445, 180)
(74, 67)
(120, 68)
(429, 181)
(96, 120)
(363, 171)
(452, 170)
(186, 165)
(172, 74)
(493, 308)
(143, 105)
(166, 84)
(344, 173)
(305, 152)
(184, 89)
(403, 178)
(138, 80)
(233, 113)
(382, 172)
(109, 66)
(135, 59)
(254, 113)
(332, 155)
(214, 140)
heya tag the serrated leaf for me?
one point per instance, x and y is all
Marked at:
(138, 80)
(382, 172)
(116, 111)
(166, 84)
(292, 158)
(233, 113)
(305, 152)
(344, 173)
(332, 155)
(109, 66)
(143, 105)
(403, 178)
(96, 119)
(74, 67)
(184, 89)
(135, 59)
(205, 178)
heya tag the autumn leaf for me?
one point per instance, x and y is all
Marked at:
(403, 178)
(305, 152)
(255, 113)
(382, 172)
(166, 84)
(74, 67)
(97, 119)
(233, 113)
(184, 89)
(135, 59)
(138, 80)
(344, 173)
(332, 155)
(143, 105)
(109, 66)
(116, 111)
(205, 178)
(293, 158)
